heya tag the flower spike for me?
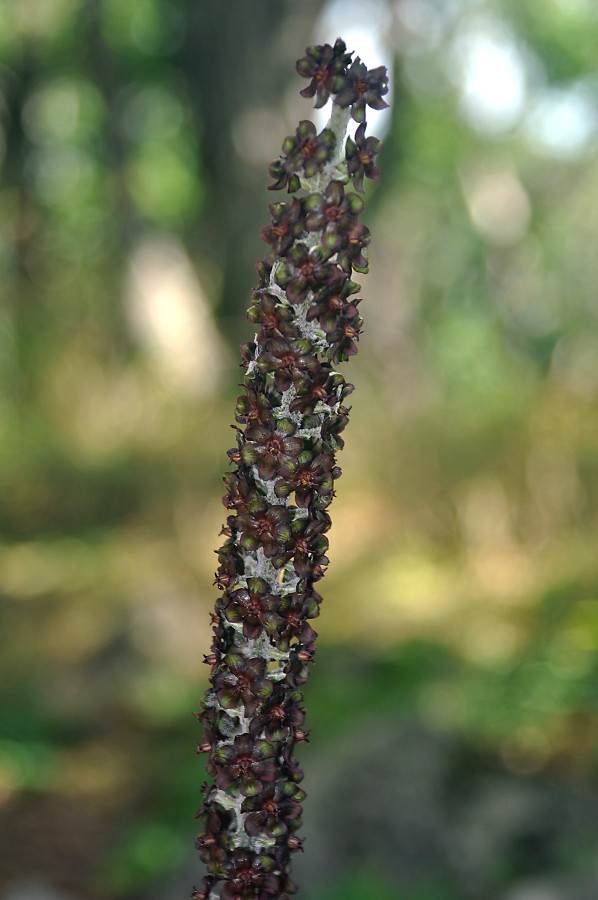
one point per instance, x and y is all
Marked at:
(289, 421)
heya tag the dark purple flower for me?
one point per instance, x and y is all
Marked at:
(332, 427)
(287, 225)
(325, 65)
(362, 86)
(290, 361)
(276, 319)
(297, 674)
(263, 269)
(343, 341)
(242, 681)
(229, 565)
(314, 476)
(248, 351)
(304, 153)
(211, 844)
(294, 610)
(280, 717)
(254, 606)
(264, 526)
(294, 843)
(353, 254)
(326, 387)
(360, 155)
(254, 408)
(274, 810)
(332, 302)
(308, 544)
(239, 491)
(305, 270)
(267, 448)
(333, 213)
(247, 763)
(249, 876)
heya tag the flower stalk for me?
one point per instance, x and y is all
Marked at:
(289, 423)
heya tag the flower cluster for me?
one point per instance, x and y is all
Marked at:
(306, 154)
(290, 418)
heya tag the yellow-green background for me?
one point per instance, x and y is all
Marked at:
(452, 708)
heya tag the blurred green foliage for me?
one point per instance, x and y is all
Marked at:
(463, 587)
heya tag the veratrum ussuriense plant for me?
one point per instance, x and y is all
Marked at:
(290, 417)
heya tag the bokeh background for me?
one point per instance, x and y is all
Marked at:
(453, 706)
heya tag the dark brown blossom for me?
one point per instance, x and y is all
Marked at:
(353, 253)
(242, 682)
(326, 387)
(263, 526)
(287, 225)
(363, 87)
(274, 810)
(325, 65)
(246, 763)
(307, 544)
(239, 491)
(276, 320)
(248, 876)
(343, 341)
(311, 478)
(254, 408)
(334, 213)
(267, 447)
(254, 607)
(360, 155)
(303, 153)
(289, 361)
(229, 564)
(294, 610)
(212, 844)
(305, 270)
(332, 302)
(280, 716)
(332, 428)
